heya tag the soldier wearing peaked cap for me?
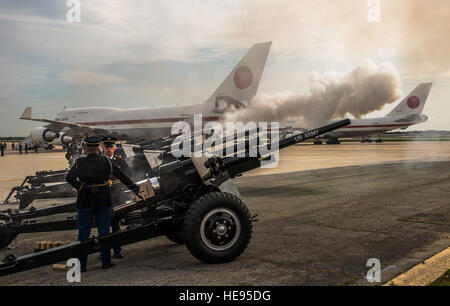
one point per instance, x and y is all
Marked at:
(109, 150)
(90, 175)
(117, 189)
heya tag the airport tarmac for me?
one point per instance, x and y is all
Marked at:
(322, 214)
(14, 167)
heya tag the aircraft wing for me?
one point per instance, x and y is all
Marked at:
(74, 128)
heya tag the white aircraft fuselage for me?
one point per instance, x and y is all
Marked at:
(407, 113)
(238, 87)
(137, 123)
(374, 126)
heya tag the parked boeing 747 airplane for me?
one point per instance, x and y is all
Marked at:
(407, 113)
(139, 123)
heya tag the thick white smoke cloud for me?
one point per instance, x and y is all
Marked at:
(366, 88)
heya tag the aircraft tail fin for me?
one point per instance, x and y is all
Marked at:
(414, 102)
(243, 81)
(26, 113)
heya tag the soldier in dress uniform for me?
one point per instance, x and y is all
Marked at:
(90, 176)
(117, 189)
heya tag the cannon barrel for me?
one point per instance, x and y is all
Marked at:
(313, 133)
(43, 177)
(231, 162)
(175, 176)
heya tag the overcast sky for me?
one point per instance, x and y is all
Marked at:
(158, 52)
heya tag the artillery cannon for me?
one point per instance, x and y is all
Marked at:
(42, 185)
(26, 195)
(192, 201)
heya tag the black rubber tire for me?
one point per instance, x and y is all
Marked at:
(192, 224)
(176, 237)
(6, 238)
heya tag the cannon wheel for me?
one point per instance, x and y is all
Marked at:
(217, 228)
(176, 237)
(6, 238)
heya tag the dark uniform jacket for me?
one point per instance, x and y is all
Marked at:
(92, 170)
(118, 194)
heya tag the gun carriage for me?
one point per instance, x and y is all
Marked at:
(192, 201)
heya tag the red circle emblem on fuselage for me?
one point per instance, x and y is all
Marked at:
(243, 77)
(413, 102)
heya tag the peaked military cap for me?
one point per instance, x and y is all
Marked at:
(93, 141)
(109, 141)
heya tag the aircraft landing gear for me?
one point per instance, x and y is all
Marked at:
(379, 140)
(366, 140)
(334, 141)
(317, 141)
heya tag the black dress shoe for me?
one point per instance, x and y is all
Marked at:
(108, 266)
(83, 270)
(118, 255)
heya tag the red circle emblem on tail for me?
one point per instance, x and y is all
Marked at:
(413, 102)
(243, 77)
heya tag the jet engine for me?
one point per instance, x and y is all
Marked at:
(42, 134)
(62, 140)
